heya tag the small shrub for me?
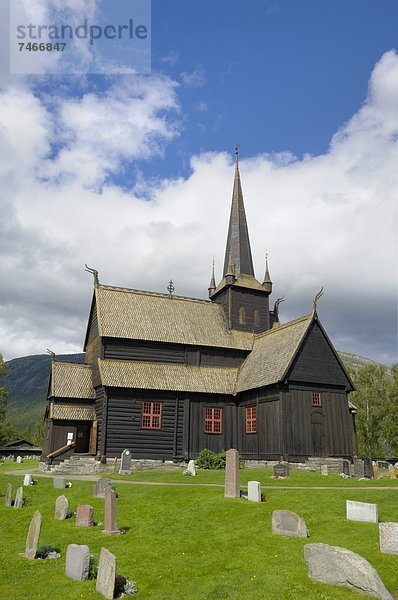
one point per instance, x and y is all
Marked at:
(93, 568)
(207, 459)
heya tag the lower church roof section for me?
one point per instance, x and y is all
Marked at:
(72, 412)
(70, 380)
(167, 377)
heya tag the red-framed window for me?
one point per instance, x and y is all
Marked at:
(251, 419)
(316, 399)
(213, 420)
(151, 417)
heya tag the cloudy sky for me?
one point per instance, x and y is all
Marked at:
(132, 174)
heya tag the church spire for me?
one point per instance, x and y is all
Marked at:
(238, 243)
(267, 283)
(212, 286)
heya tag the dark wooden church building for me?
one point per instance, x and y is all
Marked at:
(166, 376)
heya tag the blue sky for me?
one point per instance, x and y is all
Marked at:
(133, 174)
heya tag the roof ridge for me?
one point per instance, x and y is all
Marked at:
(65, 362)
(283, 326)
(158, 294)
(177, 365)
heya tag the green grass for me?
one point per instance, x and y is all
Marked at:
(190, 543)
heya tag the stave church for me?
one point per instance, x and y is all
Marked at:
(166, 376)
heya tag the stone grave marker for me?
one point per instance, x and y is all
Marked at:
(281, 470)
(376, 471)
(19, 459)
(101, 486)
(77, 564)
(254, 491)
(232, 481)
(388, 534)
(125, 463)
(110, 518)
(59, 483)
(33, 536)
(8, 501)
(106, 574)
(324, 470)
(61, 508)
(85, 515)
(27, 481)
(286, 522)
(368, 468)
(361, 511)
(359, 468)
(338, 566)
(346, 467)
(18, 502)
(191, 468)
(392, 472)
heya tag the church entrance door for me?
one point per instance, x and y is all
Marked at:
(82, 439)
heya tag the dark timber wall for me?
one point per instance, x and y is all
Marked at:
(266, 442)
(234, 297)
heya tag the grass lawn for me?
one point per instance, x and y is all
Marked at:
(191, 543)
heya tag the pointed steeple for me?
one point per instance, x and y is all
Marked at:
(238, 243)
(267, 283)
(212, 285)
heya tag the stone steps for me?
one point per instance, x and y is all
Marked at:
(76, 465)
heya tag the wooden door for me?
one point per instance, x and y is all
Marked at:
(82, 439)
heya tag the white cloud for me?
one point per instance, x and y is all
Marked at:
(325, 220)
(194, 78)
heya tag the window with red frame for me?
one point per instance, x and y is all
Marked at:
(213, 420)
(251, 419)
(316, 399)
(151, 415)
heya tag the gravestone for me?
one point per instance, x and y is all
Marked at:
(254, 491)
(376, 471)
(18, 502)
(346, 467)
(361, 511)
(368, 468)
(19, 459)
(27, 481)
(106, 574)
(77, 565)
(285, 522)
(59, 483)
(33, 536)
(281, 470)
(232, 482)
(8, 501)
(101, 486)
(125, 463)
(392, 471)
(359, 468)
(85, 515)
(191, 468)
(110, 518)
(61, 508)
(324, 470)
(388, 535)
(338, 566)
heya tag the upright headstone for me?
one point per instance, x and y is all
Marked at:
(18, 502)
(8, 501)
(77, 565)
(254, 491)
(191, 468)
(324, 470)
(101, 486)
(338, 566)
(388, 534)
(125, 463)
(368, 468)
(85, 515)
(19, 459)
(361, 511)
(392, 471)
(376, 471)
(346, 467)
(286, 522)
(27, 479)
(281, 470)
(61, 508)
(106, 574)
(359, 468)
(33, 536)
(110, 518)
(59, 483)
(232, 482)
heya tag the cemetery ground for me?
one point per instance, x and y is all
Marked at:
(189, 542)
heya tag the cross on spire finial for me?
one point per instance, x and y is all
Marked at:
(237, 151)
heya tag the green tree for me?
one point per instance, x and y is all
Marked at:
(372, 399)
(8, 431)
(390, 426)
(3, 393)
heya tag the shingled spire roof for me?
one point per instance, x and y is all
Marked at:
(238, 244)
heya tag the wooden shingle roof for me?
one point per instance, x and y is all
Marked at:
(171, 377)
(70, 380)
(132, 314)
(272, 354)
(72, 412)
